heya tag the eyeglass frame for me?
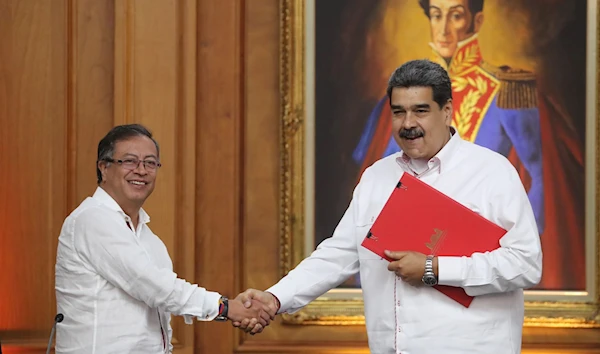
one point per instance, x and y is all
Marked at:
(144, 162)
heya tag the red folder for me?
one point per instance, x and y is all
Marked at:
(418, 217)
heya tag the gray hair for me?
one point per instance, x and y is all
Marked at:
(422, 73)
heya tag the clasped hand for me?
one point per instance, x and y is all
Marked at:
(257, 310)
(409, 266)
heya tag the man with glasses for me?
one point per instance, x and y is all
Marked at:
(115, 283)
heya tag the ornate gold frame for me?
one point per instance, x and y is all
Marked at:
(345, 307)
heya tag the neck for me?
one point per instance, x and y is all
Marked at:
(130, 208)
(134, 214)
(448, 137)
(473, 55)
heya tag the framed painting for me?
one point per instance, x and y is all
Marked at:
(336, 57)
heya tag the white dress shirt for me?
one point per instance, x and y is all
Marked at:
(116, 287)
(401, 318)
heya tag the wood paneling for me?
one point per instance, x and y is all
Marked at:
(154, 85)
(55, 97)
(33, 160)
(90, 60)
(203, 76)
(219, 161)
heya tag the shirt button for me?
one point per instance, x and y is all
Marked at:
(207, 316)
(398, 303)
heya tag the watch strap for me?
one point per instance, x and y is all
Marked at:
(223, 309)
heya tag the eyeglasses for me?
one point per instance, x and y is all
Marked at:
(132, 164)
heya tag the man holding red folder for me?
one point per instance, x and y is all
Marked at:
(404, 313)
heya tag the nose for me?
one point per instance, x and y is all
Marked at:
(141, 169)
(410, 121)
(444, 24)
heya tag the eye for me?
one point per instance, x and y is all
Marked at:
(457, 16)
(150, 163)
(435, 15)
(129, 161)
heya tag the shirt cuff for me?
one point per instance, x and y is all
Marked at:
(210, 308)
(284, 295)
(450, 271)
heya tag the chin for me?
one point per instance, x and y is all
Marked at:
(412, 153)
(140, 196)
(446, 53)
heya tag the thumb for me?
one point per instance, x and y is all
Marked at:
(395, 254)
(247, 296)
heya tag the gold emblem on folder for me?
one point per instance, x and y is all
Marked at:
(435, 240)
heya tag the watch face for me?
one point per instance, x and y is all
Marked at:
(429, 280)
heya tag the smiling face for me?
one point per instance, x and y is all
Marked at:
(421, 128)
(451, 22)
(130, 188)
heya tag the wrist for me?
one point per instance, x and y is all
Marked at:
(277, 302)
(223, 309)
(435, 266)
(429, 274)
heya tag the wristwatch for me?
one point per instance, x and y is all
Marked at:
(223, 309)
(429, 277)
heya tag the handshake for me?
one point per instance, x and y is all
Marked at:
(253, 310)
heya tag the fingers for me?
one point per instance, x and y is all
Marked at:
(244, 324)
(253, 323)
(263, 322)
(266, 310)
(257, 329)
(272, 307)
(265, 316)
(395, 254)
(247, 296)
(260, 309)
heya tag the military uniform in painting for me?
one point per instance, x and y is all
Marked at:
(495, 107)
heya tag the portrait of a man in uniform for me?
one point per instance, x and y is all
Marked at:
(495, 107)
(525, 114)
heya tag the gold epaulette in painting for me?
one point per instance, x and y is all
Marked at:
(517, 87)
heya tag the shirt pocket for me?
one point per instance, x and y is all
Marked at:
(363, 226)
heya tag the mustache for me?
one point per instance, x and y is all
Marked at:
(412, 133)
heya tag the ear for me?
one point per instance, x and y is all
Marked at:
(102, 165)
(478, 21)
(448, 112)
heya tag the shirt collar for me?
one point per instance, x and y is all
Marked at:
(443, 157)
(105, 198)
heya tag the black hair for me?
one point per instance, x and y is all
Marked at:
(475, 6)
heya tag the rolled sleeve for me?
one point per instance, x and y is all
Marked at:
(516, 264)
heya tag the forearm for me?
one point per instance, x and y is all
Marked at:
(191, 300)
(123, 263)
(312, 278)
(498, 271)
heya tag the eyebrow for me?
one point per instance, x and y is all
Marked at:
(133, 155)
(416, 106)
(455, 7)
(422, 105)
